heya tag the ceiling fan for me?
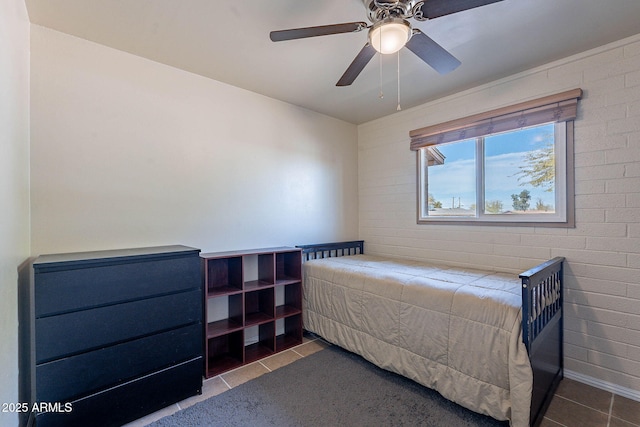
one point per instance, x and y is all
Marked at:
(390, 31)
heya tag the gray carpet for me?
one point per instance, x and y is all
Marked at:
(330, 388)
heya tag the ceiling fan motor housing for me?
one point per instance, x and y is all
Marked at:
(378, 10)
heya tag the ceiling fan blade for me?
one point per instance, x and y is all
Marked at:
(436, 8)
(432, 53)
(323, 30)
(361, 60)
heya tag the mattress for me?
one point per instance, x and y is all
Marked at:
(454, 330)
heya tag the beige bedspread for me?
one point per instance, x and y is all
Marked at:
(454, 330)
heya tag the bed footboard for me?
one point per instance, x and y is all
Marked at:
(542, 331)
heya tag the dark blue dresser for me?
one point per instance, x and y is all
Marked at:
(115, 335)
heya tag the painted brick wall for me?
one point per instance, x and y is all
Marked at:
(602, 320)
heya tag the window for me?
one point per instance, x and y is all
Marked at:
(521, 174)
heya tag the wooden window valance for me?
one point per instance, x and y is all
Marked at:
(560, 107)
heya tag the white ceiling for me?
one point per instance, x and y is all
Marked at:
(229, 41)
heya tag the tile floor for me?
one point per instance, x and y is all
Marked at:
(574, 404)
(579, 405)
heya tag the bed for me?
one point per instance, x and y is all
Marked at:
(487, 340)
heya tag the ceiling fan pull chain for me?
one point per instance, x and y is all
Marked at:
(398, 108)
(381, 95)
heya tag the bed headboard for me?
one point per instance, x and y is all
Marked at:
(327, 250)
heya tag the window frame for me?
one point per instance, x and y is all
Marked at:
(557, 108)
(564, 189)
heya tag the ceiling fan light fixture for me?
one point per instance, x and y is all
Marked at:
(389, 35)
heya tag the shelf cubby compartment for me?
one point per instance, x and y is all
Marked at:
(265, 346)
(258, 271)
(288, 300)
(288, 267)
(223, 275)
(292, 332)
(259, 306)
(225, 352)
(232, 322)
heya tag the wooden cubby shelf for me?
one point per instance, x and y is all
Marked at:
(253, 305)
(222, 327)
(286, 310)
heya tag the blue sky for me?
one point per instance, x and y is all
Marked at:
(504, 153)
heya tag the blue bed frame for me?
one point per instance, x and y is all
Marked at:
(541, 319)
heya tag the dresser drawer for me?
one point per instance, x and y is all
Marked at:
(62, 291)
(130, 400)
(90, 372)
(77, 332)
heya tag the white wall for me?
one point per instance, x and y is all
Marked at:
(14, 187)
(126, 152)
(602, 323)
